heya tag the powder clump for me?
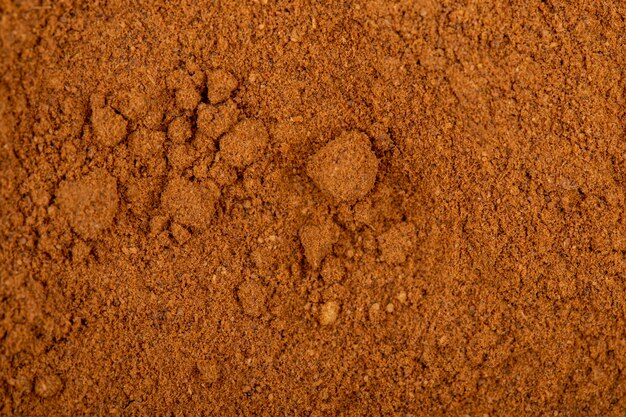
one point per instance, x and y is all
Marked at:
(190, 203)
(209, 370)
(146, 144)
(345, 168)
(244, 143)
(220, 85)
(395, 244)
(317, 239)
(109, 127)
(252, 297)
(213, 122)
(89, 203)
(329, 313)
(47, 386)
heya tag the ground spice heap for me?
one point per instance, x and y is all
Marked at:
(313, 208)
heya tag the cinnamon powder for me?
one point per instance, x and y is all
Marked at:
(312, 208)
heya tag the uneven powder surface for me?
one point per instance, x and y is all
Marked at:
(313, 208)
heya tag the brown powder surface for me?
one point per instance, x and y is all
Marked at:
(313, 208)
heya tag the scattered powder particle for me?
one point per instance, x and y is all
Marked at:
(109, 127)
(125, 271)
(395, 244)
(252, 296)
(317, 240)
(345, 168)
(244, 143)
(329, 313)
(89, 203)
(47, 386)
(190, 203)
(220, 85)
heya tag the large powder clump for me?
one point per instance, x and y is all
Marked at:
(89, 204)
(345, 168)
(190, 203)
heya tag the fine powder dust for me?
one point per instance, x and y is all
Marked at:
(398, 208)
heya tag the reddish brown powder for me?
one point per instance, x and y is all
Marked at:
(313, 208)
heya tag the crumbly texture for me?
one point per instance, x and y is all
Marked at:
(313, 208)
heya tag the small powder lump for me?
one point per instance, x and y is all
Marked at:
(244, 143)
(47, 386)
(187, 96)
(252, 297)
(209, 370)
(317, 241)
(214, 121)
(89, 204)
(329, 313)
(220, 85)
(190, 203)
(109, 127)
(395, 244)
(146, 144)
(345, 168)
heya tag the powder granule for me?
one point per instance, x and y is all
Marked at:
(146, 144)
(48, 385)
(395, 244)
(214, 121)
